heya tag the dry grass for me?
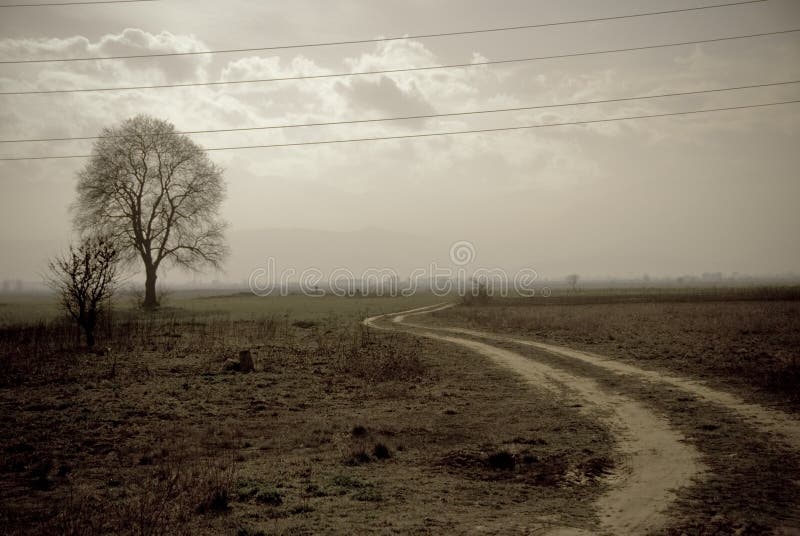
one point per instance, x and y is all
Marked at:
(752, 343)
(338, 430)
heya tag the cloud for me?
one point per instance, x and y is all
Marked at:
(131, 41)
(270, 67)
(383, 94)
(467, 161)
(128, 42)
(521, 184)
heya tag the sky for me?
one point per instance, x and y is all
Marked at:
(715, 192)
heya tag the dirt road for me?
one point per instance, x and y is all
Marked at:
(655, 458)
(782, 425)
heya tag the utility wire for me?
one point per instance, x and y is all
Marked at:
(52, 4)
(425, 116)
(379, 39)
(399, 70)
(446, 133)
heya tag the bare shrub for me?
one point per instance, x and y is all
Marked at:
(85, 279)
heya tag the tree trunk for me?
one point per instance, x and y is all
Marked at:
(150, 300)
(89, 323)
(89, 336)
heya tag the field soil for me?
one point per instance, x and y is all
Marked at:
(655, 461)
(599, 415)
(743, 426)
(341, 429)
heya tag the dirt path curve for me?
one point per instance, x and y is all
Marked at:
(656, 460)
(783, 426)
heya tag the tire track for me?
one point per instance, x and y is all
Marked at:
(655, 458)
(781, 425)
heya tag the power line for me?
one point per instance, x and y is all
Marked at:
(447, 133)
(424, 116)
(51, 4)
(400, 70)
(500, 129)
(379, 39)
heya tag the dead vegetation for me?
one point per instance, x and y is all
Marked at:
(152, 436)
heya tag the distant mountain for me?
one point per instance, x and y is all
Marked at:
(327, 250)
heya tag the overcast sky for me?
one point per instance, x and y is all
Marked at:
(664, 196)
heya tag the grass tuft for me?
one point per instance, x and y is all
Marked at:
(381, 451)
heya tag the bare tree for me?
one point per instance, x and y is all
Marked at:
(156, 194)
(85, 279)
(572, 281)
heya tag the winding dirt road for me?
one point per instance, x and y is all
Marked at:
(781, 425)
(655, 460)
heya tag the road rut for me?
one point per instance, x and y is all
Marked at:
(655, 459)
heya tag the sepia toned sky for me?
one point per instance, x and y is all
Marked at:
(663, 196)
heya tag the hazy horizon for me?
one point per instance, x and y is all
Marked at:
(667, 197)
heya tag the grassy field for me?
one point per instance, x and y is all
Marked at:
(233, 305)
(748, 339)
(341, 429)
(338, 430)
